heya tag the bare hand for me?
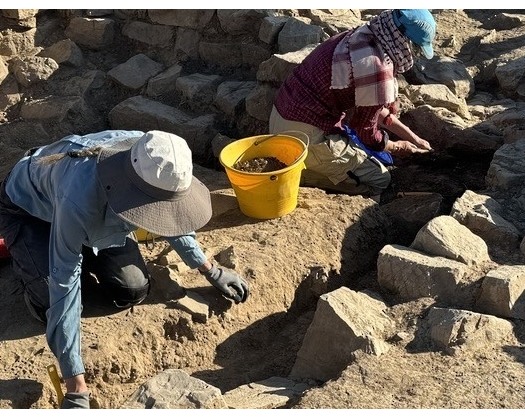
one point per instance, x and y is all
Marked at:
(406, 148)
(420, 143)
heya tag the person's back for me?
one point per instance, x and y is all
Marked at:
(38, 187)
(306, 95)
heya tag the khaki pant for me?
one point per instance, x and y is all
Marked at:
(334, 163)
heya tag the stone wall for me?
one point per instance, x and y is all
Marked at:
(209, 76)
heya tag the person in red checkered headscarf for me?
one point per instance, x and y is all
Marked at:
(344, 96)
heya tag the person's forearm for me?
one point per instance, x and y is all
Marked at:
(205, 267)
(412, 141)
(189, 251)
(392, 123)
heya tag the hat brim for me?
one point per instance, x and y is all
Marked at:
(176, 216)
(427, 50)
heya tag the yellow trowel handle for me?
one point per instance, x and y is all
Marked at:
(55, 379)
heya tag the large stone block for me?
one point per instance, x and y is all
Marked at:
(188, 18)
(225, 55)
(444, 236)
(135, 73)
(149, 34)
(503, 292)
(460, 330)
(175, 389)
(260, 101)
(483, 216)
(164, 83)
(95, 33)
(410, 274)
(345, 321)
(297, 34)
(64, 52)
(145, 114)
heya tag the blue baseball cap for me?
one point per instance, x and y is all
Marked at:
(419, 26)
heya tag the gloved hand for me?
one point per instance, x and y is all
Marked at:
(75, 400)
(229, 283)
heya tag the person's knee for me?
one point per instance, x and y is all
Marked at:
(131, 288)
(381, 183)
(127, 297)
(36, 307)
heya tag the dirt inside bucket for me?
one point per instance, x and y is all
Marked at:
(260, 165)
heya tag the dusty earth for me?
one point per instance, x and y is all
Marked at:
(239, 344)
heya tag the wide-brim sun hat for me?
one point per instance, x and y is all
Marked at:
(149, 183)
(419, 26)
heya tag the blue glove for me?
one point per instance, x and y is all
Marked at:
(230, 284)
(75, 400)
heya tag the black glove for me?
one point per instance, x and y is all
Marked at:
(75, 400)
(229, 283)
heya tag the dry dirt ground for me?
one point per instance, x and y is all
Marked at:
(239, 344)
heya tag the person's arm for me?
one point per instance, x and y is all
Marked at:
(409, 143)
(63, 317)
(365, 122)
(229, 283)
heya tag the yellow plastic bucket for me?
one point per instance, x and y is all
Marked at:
(143, 235)
(270, 194)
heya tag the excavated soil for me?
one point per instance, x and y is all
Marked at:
(239, 344)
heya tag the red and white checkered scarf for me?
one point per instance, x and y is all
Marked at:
(372, 56)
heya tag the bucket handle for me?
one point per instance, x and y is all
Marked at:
(305, 139)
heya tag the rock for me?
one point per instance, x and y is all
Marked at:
(187, 18)
(175, 389)
(14, 43)
(341, 326)
(198, 90)
(221, 54)
(145, 114)
(149, 34)
(231, 96)
(270, 28)
(410, 275)
(272, 393)
(443, 70)
(454, 330)
(135, 72)
(241, 21)
(444, 236)
(297, 34)
(483, 216)
(260, 101)
(93, 33)
(195, 305)
(277, 68)
(506, 170)
(187, 41)
(410, 212)
(164, 83)
(502, 292)
(32, 70)
(64, 52)
(438, 95)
